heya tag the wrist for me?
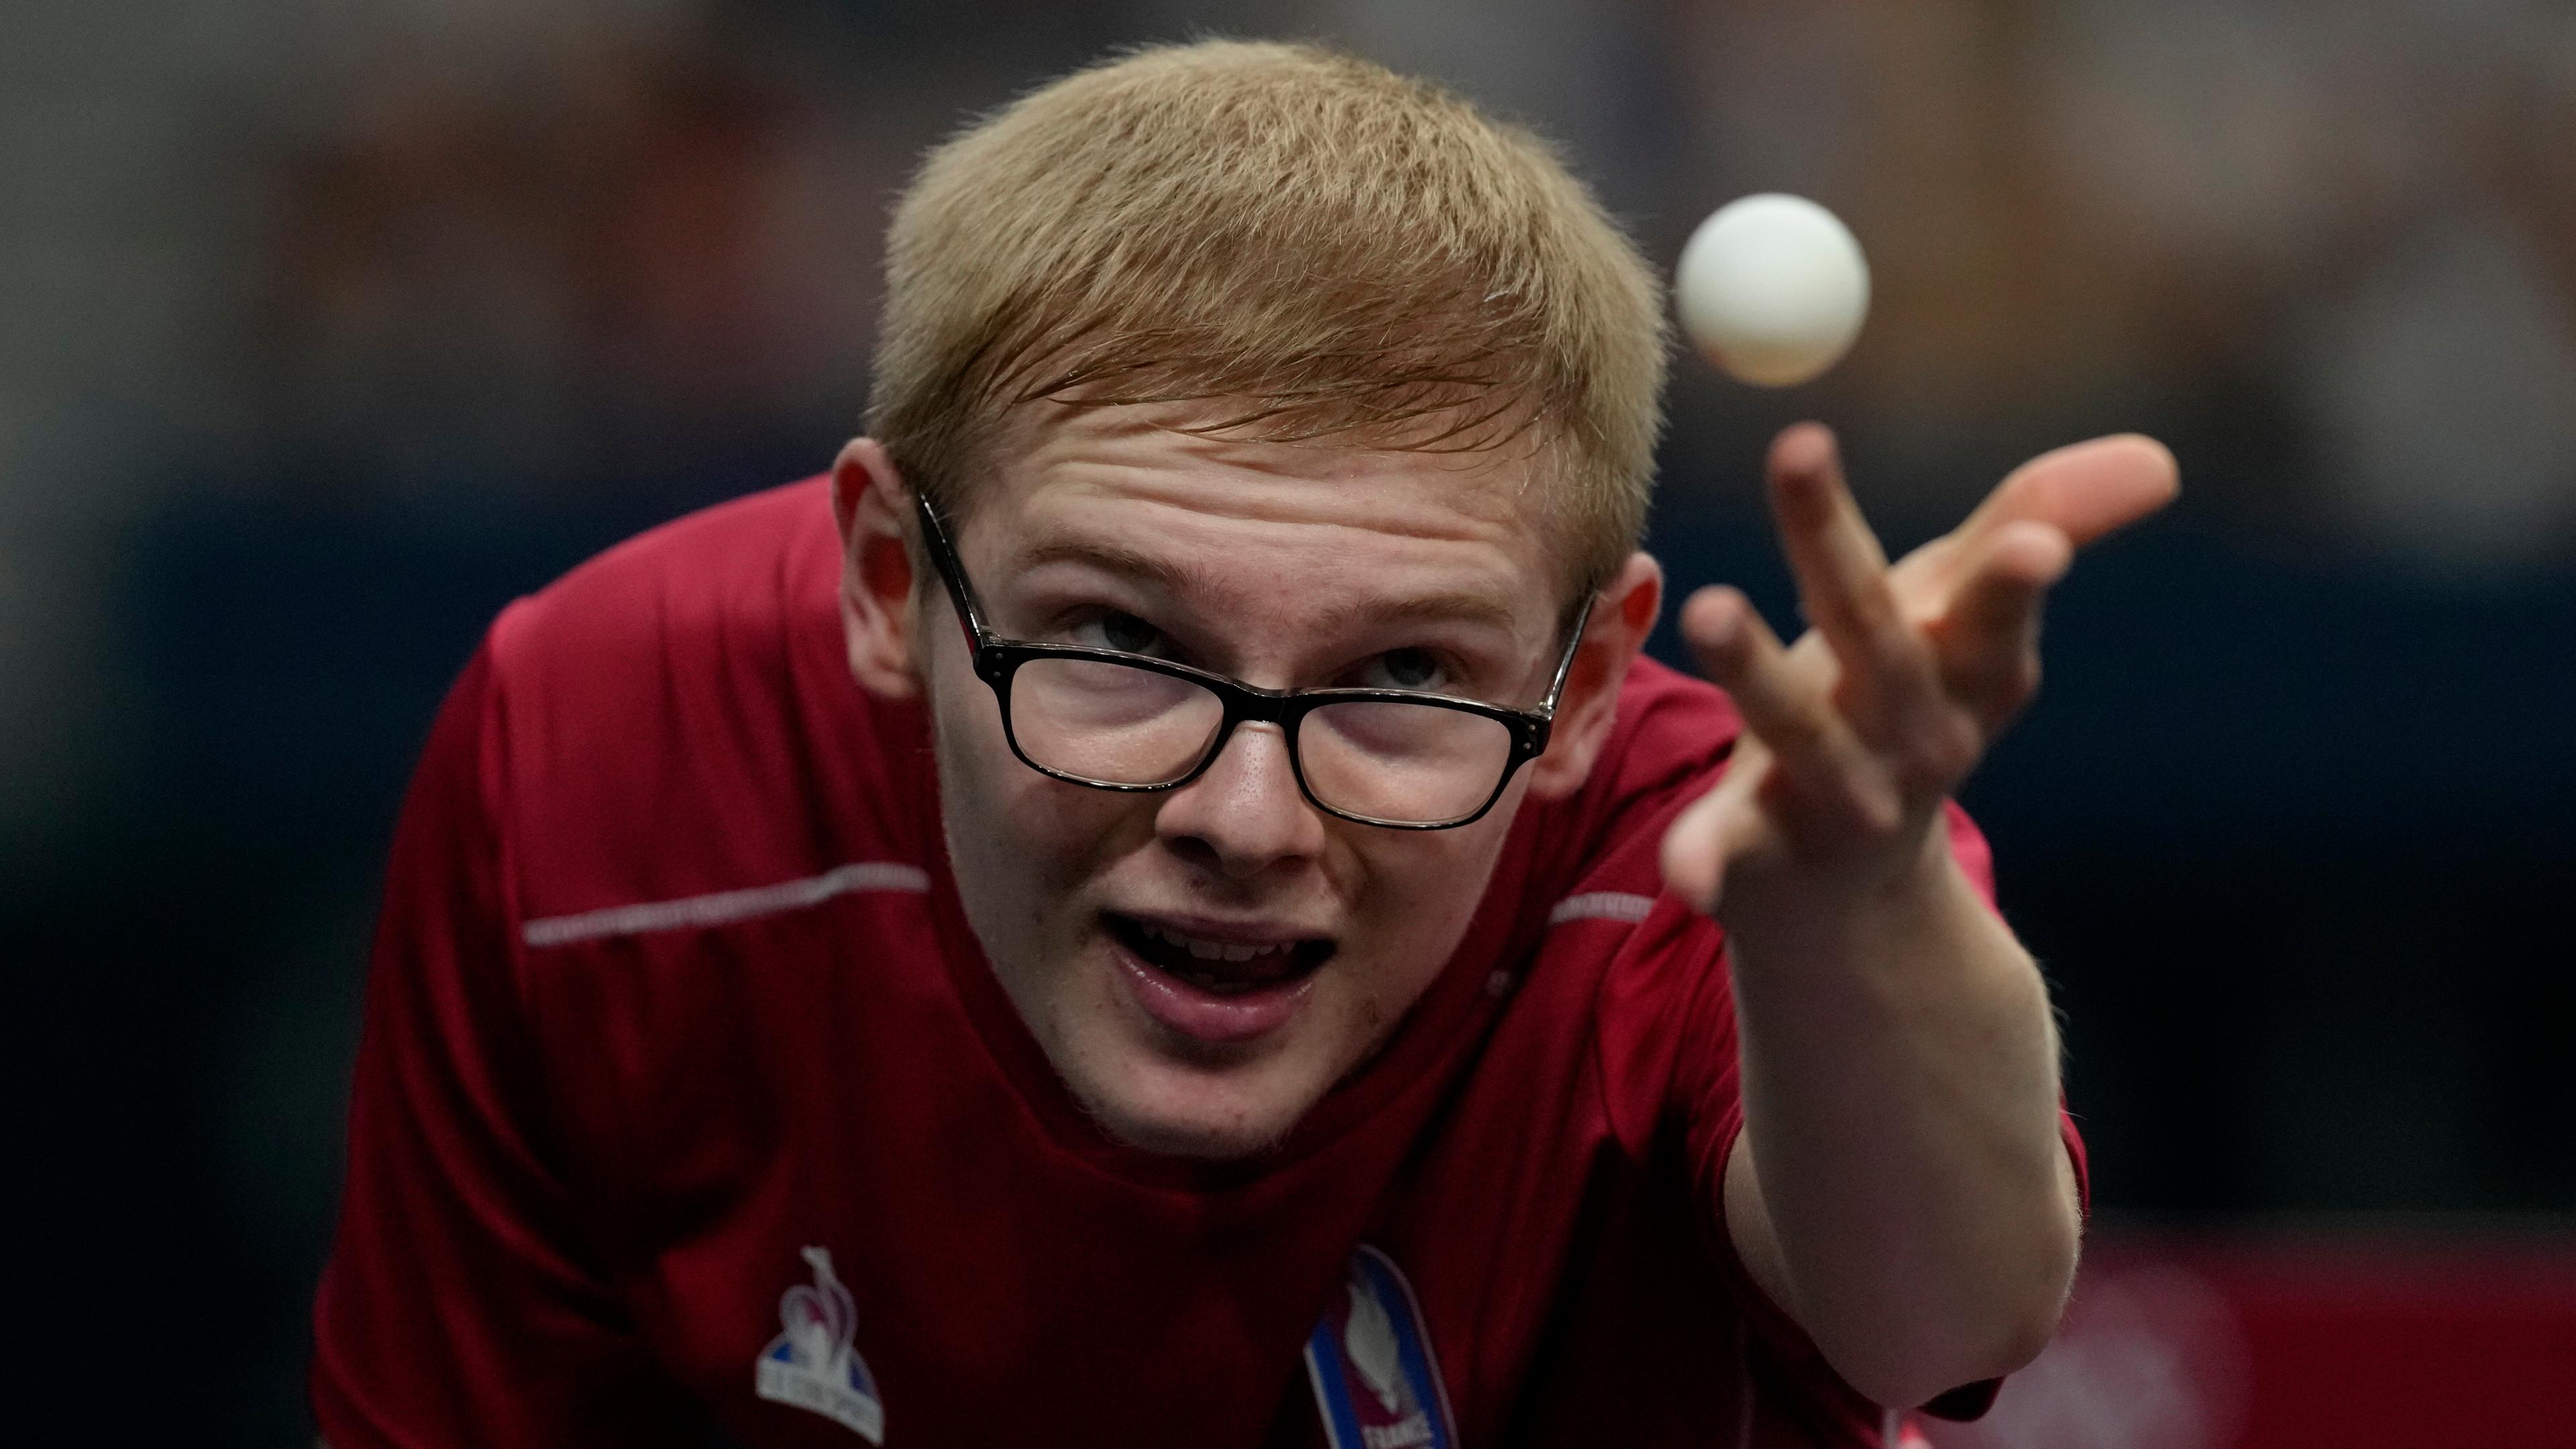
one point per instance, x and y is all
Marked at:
(1888, 934)
(1901, 877)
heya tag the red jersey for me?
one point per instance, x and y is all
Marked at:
(687, 1106)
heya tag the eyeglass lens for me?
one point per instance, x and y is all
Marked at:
(1386, 760)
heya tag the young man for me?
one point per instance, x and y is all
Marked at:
(1160, 903)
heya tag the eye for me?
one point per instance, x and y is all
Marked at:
(1123, 632)
(1406, 669)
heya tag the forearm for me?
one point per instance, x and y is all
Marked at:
(1899, 1185)
(1901, 1163)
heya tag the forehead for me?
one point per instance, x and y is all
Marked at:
(1232, 512)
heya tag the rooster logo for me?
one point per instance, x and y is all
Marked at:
(811, 1363)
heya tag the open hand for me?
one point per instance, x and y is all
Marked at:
(1856, 734)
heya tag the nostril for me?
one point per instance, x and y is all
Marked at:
(1196, 853)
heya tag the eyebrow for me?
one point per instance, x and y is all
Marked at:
(1116, 559)
(1448, 606)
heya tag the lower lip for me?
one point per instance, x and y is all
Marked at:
(1204, 1015)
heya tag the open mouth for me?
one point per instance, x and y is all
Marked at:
(1218, 966)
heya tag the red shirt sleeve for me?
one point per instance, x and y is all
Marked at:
(460, 1305)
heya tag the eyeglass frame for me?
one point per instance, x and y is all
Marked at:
(996, 660)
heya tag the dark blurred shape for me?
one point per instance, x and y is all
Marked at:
(619, 276)
(2321, 1340)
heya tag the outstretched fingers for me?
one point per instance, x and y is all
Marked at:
(1810, 750)
(1886, 674)
(1784, 706)
(2085, 491)
(1986, 643)
(1854, 735)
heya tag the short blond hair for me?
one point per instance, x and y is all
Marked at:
(1313, 245)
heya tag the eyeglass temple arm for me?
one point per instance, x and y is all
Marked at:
(943, 557)
(1573, 646)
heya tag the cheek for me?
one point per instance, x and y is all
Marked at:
(1020, 840)
(1424, 898)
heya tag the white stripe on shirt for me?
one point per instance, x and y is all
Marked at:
(1602, 906)
(724, 908)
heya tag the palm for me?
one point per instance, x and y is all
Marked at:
(1855, 734)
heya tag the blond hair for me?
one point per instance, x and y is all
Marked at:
(1312, 245)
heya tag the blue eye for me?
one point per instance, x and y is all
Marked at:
(1127, 633)
(1407, 669)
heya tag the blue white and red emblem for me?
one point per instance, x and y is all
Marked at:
(1376, 1382)
(811, 1364)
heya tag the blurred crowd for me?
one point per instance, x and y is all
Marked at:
(324, 329)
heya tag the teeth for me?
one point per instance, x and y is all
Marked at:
(1203, 950)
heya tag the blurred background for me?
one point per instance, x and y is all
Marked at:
(325, 329)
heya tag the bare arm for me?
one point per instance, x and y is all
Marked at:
(1900, 1186)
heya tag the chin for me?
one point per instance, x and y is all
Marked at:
(1198, 1118)
(1206, 1142)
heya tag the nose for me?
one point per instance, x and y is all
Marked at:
(1246, 814)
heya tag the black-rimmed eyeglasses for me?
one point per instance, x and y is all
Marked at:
(1113, 720)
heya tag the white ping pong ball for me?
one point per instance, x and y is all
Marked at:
(1772, 289)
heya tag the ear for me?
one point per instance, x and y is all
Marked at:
(869, 503)
(1590, 704)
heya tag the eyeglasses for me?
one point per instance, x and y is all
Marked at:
(1402, 759)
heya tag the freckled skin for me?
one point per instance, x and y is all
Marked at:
(1282, 533)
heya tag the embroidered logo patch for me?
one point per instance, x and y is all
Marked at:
(1376, 1382)
(811, 1364)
